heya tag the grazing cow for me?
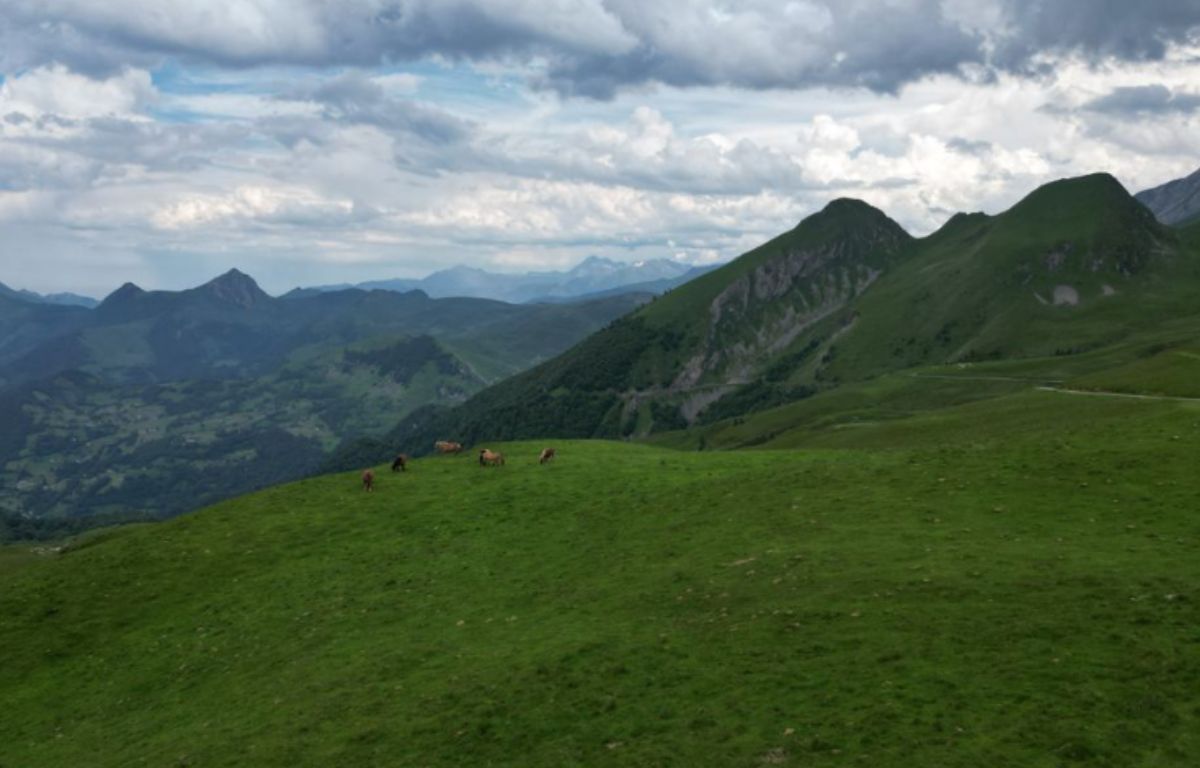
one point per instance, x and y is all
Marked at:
(400, 462)
(368, 480)
(547, 454)
(445, 446)
(490, 458)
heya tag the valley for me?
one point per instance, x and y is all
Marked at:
(155, 403)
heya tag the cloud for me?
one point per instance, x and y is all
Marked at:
(54, 90)
(1144, 99)
(969, 147)
(356, 98)
(256, 204)
(760, 44)
(643, 152)
(596, 48)
(94, 36)
(1095, 29)
(271, 139)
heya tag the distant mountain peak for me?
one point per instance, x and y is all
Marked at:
(596, 265)
(235, 287)
(460, 269)
(61, 299)
(124, 293)
(11, 293)
(1176, 202)
(596, 261)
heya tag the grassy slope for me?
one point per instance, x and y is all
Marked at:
(1008, 582)
(1161, 362)
(982, 288)
(972, 289)
(585, 391)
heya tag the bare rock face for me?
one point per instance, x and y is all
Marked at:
(764, 311)
(1065, 295)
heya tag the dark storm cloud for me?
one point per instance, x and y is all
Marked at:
(101, 37)
(840, 44)
(1127, 30)
(597, 47)
(1144, 99)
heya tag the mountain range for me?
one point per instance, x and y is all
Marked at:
(116, 406)
(847, 295)
(66, 299)
(591, 278)
(157, 401)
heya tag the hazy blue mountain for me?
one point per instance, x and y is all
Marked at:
(63, 299)
(652, 287)
(1176, 202)
(592, 277)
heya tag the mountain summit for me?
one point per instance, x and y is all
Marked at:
(124, 296)
(236, 288)
(743, 330)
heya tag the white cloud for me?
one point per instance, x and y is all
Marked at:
(252, 204)
(54, 90)
(325, 175)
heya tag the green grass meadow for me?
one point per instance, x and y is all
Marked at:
(1009, 581)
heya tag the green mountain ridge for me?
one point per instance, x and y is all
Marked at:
(847, 295)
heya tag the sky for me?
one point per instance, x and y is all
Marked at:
(326, 141)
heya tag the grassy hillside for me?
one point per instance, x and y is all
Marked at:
(659, 366)
(1077, 266)
(1010, 581)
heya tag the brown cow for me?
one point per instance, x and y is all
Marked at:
(547, 455)
(490, 458)
(368, 480)
(400, 462)
(445, 446)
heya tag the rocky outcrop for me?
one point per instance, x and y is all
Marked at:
(761, 313)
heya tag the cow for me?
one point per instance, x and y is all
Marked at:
(400, 462)
(547, 455)
(445, 446)
(490, 458)
(368, 480)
